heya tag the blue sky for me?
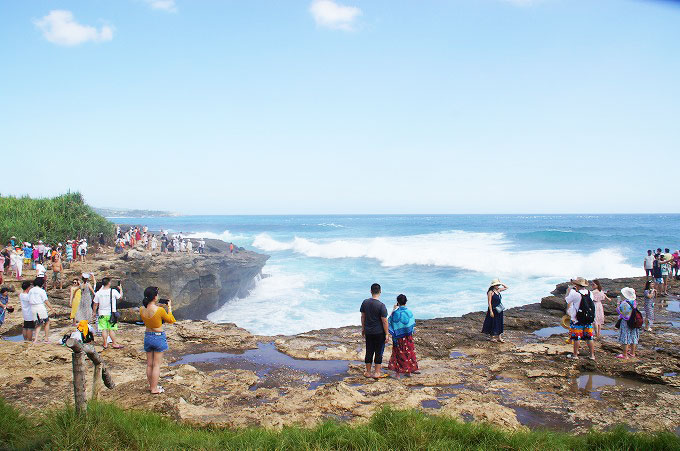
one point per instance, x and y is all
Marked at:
(263, 107)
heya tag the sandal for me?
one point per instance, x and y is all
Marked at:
(621, 356)
(380, 376)
(117, 346)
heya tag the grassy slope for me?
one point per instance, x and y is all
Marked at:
(109, 427)
(51, 220)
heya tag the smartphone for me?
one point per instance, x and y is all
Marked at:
(163, 301)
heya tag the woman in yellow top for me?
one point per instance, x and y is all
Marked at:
(155, 342)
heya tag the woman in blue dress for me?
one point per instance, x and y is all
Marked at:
(493, 323)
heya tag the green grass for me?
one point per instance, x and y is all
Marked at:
(51, 220)
(107, 427)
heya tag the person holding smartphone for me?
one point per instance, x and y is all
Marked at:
(155, 342)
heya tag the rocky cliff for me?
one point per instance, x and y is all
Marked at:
(198, 284)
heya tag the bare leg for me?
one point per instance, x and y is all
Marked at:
(625, 351)
(47, 331)
(105, 338)
(576, 343)
(149, 370)
(156, 371)
(633, 348)
(114, 343)
(591, 346)
(378, 370)
(36, 332)
(367, 373)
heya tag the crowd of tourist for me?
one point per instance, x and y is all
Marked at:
(168, 243)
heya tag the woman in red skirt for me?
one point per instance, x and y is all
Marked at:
(401, 324)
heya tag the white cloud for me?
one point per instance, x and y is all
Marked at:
(59, 27)
(329, 14)
(164, 5)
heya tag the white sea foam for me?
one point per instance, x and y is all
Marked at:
(282, 304)
(224, 236)
(488, 253)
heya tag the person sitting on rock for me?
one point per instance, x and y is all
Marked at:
(155, 341)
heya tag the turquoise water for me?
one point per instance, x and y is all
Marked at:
(321, 267)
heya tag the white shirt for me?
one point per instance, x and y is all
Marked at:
(190, 246)
(36, 296)
(104, 298)
(574, 302)
(39, 271)
(649, 262)
(26, 307)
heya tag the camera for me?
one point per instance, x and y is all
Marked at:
(163, 301)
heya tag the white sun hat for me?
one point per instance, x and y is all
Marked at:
(628, 293)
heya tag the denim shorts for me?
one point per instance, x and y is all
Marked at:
(155, 342)
(659, 280)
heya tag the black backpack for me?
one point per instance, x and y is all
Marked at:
(586, 311)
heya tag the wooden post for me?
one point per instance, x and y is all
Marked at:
(96, 381)
(101, 373)
(78, 360)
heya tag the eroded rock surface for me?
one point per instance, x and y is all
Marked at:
(239, 379)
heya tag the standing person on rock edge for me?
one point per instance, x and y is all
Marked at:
(104, 304)
(628, 336)
(578, 298)
(29, 323)
(37, 297)
(598, 297)
(648, 264)
(401, 326)
(155, 341)
(493, 323)
(650, 295)
(375, 330)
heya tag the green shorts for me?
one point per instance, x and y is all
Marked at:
(56, 276)
(104, 324)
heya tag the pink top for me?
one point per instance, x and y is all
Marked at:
(597, 296)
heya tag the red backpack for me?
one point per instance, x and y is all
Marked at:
(635, 321)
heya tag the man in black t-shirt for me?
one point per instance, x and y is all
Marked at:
(374, 328)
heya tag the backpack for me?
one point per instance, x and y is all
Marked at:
(586, 310)
(635, 321)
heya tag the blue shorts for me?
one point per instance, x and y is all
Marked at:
(155, 342)
(659, 280)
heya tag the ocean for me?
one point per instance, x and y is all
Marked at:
(321, 267)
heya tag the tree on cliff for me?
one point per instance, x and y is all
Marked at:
(51, 219)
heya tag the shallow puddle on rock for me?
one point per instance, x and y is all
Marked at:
(431, 404)
(15, 338)
(672, 374)
(457, 354)
(542, 420)
(266, 359)
(591, 382)
(609, 333)
(550, 331)
(673, 306)
(675, 323)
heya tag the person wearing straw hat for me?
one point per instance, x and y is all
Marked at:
(493, 323)
(576, 293)
(627, 335)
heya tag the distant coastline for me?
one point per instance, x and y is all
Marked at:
(112, 213)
